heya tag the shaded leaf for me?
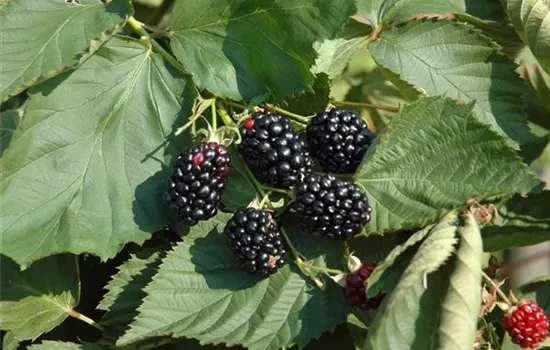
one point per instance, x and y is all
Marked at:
(35, 301)
(59, 345)
(433, 156)
(200, 292)
(244, 49)
(461, 306)
(521, 221)
(8, 123)
(452, 59)
(400, 319)
(41, 38)
(309, 103)
(78, 176)
(239, 191)
(539, 83)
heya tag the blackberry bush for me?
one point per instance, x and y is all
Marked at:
(339, 140)
(197, 182)
(332, 207)
(256, 241)
(273, 151)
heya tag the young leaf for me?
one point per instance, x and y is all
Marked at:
(244, 49)
(78, 175)
(200, 292)
(433, 156)
(461, 305)
(41, 38)
(37, 300)
(402, 322)
(521, 221)
(8, 123)
(452, 59)
(379, 12)
(530, 18)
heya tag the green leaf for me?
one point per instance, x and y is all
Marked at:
(244, 49)
(59, 345)
(200, 292)
(334, 54)
(402, 316)
(10, 342)
(8, 123)
(539, 83)
(41, 38)
(309, 103)
(239, 191)
(433, 156)
(96, 182)
(530, 19)
(125, 290)
(461, 306)
(452, 59)
(521, 221)
(375, 283)
(37, 300)
(379, 12)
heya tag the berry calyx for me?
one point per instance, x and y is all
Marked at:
(197, 182)
(356, 286)
(339, 140)
(527, 324)
(331, 207)
(275, 154)
(256, 241)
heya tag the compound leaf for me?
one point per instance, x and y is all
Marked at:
(434, 155)
(41, 38)
(78, 175)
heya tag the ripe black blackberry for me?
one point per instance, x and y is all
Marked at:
(197, 182)
(256, 241)
(332, 207)
(273, 151)
(339, 140)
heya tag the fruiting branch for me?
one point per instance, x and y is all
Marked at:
(497, 288)
(365, 105)
(297, 117)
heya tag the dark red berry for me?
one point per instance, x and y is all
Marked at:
(527, 324)
(356, 286)
(256, 241)
(197, 182)
(273, 151)
(339, 140)
(331, 207)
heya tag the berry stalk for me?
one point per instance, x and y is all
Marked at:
(497, 288)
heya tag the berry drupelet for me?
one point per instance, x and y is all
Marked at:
(198, 180)
(256, 241)
(339, 140)
(331, 207)
(356, 286)
(527, 324)
(273, 151)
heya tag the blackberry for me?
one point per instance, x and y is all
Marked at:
(273, 151)
(198, 180)
(339, 140)
(256, 241)
(332, 207)
(356, 286)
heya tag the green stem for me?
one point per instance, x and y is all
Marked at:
(84, 318)
(138, 28)
(278, 190)
(326, 270)
(364, 104)
(297, 117)
(235, 104)
(214, 116)
(497, 288)
(225, 116)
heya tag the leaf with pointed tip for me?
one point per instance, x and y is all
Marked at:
(247, 48)
(86, 169)
(455, 60)
(41, 38)
(200, 292)
(401, 317)
(521, 221)
(460, 309)
(314, 101)
(433, 156)
(37, 300)
(530, 18)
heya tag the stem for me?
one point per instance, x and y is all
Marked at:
(138, 28)
(494, 285)
(298, 117)
(86, 319)
(265, 199)
(326, 270)
(225, 116)
(278, 190)
(214, 116)
(235, 104)
(364, 104)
